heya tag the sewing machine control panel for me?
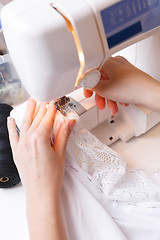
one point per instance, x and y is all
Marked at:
(129, 18)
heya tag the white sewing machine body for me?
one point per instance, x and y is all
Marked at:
(48, 57)
(40, 41)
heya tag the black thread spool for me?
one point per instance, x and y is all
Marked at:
(8, 172)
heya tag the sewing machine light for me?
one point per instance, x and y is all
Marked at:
(71, 29)
(81, 56)
(82, 65)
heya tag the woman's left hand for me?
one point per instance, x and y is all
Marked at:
(40, 163)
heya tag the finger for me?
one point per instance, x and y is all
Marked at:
(87, 93)
(36, 110)
(112, 106)
(62, 138)
(107, 66)
(121, 59)
(47, 122)
(41, 113)
(102, 87)
(28, 117)
(13, 135)
(100, 102)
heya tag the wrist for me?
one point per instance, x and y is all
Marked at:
(42, 193)
(42, 204)
(45, 220)
(152, 99)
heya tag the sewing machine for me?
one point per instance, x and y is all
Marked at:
(58, 46)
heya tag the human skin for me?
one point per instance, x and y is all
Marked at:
(122, 82)
(41, 165)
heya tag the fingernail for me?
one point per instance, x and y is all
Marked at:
(71, 124)
(48, 104)
(51, 104)
(114, 112)
(31, 100)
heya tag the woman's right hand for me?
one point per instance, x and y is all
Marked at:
(122, 82)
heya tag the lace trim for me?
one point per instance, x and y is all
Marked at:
(97, 164)
(108, 169)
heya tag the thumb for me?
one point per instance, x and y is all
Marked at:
(101, 88)
(12, 131)
(62, 138)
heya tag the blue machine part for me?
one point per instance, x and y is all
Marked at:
(129, 18)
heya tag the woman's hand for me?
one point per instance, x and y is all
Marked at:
(40, 160)
(124, 83)
(40, 165)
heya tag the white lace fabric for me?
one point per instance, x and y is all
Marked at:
(103, 166)
(130, 196)
(107, 168)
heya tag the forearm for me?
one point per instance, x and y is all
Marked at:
(45, 220)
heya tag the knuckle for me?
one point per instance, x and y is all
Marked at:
(25, 141)
(120, 59)
(38, 137)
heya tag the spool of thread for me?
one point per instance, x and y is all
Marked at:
(9, 176)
